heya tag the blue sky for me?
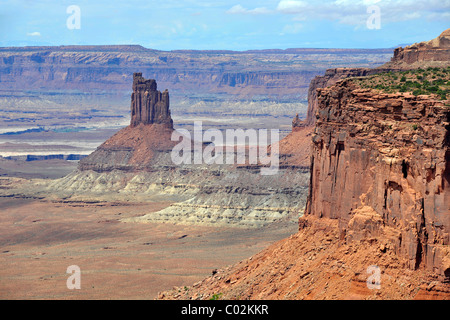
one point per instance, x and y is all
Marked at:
(232, 25)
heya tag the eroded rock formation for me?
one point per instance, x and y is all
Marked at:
(330, 77)
(136, 163)
(379, 196)
(432, 52)
(134, 148)
(381, 165)
(148, 105)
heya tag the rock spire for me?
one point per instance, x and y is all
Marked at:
(148, 105)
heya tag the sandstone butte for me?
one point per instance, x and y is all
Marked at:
(150, 131)
(379, 196)
(136, 164)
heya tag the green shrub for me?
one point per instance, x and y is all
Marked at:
(216, 296)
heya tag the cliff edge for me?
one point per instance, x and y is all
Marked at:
(382, 162)
(379, 196)
(378, 200)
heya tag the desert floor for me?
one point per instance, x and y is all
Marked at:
(39, 240)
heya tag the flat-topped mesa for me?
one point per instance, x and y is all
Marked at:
(148, 105)
(433, 53)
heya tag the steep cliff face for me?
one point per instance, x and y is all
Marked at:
(330, 77)
(379, 196)
(380, 165)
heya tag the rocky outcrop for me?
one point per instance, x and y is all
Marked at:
(135, 147)
(136, 164)
(330, 77)
(381, 165)
(148, 105)
(435, 53)
(379, 196)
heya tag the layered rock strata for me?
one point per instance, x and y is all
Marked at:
(330, 77)
(136, 165)
(381, 167)
(433, 52)
(278, 73)
(379, 196)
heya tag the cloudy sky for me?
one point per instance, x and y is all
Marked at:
(223, 24)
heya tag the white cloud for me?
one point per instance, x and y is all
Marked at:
(354, 12)
(291, 6)
(238, 9)
(34, 34)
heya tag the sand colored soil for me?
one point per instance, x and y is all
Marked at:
(39, 240)
(315, 264)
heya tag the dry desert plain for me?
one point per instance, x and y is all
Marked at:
(40, 239)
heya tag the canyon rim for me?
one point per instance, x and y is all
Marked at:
(272, 174)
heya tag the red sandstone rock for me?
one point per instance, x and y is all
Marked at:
(314, 265)
(379, 195)
(435, 50)
(134, 147)
(148, 105)
(330, 78)
(433, 53)
(368, 156)
(295, 148)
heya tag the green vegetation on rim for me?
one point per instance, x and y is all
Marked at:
(419, 81)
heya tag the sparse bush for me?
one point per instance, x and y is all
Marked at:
(216, 296)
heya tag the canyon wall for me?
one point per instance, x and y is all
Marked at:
(276, 74)
(330, 77)
(381, 167)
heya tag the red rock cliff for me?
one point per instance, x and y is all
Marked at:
(435, 51)
(381, 165)
(330, 77)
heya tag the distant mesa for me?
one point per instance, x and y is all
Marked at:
(433, 52)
